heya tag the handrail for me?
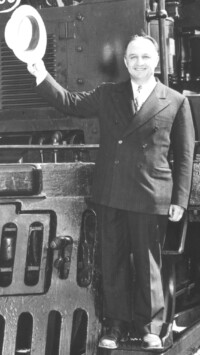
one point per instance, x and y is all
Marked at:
(162, 40)
(50, 146)
(160, 14)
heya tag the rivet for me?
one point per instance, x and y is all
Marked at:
(80, 81)
(80, 17)
(79, 49)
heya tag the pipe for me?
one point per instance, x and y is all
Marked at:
(162, 42)
(50, 146)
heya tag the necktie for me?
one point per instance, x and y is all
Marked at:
(137, 99)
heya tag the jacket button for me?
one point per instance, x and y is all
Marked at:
(144, 146)
(139, 165)
(120, 141)
(116, 162)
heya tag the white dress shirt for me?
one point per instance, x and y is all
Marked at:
(145, 90)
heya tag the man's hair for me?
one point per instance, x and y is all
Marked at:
(142, 35)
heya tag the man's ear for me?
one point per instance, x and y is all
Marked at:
(125, 62)
(157, 60)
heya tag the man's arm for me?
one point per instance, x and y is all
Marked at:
(183, 140)
(80, 104)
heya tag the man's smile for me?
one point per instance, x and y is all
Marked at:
(139, 69)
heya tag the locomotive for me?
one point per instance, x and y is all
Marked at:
(50, 275)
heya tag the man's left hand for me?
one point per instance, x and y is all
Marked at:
(175, 213)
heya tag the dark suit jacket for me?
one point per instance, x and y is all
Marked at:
(132, 169)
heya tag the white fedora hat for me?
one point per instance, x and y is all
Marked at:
(25, 34)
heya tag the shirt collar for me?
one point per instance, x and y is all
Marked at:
(146, 87)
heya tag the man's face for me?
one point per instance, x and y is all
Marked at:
(141, 59)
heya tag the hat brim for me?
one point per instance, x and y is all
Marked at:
(35, 50)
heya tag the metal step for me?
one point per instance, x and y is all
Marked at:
(186, 338)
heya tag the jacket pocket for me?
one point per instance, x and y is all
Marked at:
(162, 173)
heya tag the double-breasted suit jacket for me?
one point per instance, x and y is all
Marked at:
(132, 170)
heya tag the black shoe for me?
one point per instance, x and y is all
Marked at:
(116, 332)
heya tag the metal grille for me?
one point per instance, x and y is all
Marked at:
(48, 294)
(17, 85)
(23, 256)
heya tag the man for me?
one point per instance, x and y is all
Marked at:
(134, 186)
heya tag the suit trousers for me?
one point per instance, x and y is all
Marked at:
(131, 267)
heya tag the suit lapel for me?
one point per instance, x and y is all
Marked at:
(155, 103)
(125, 120)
